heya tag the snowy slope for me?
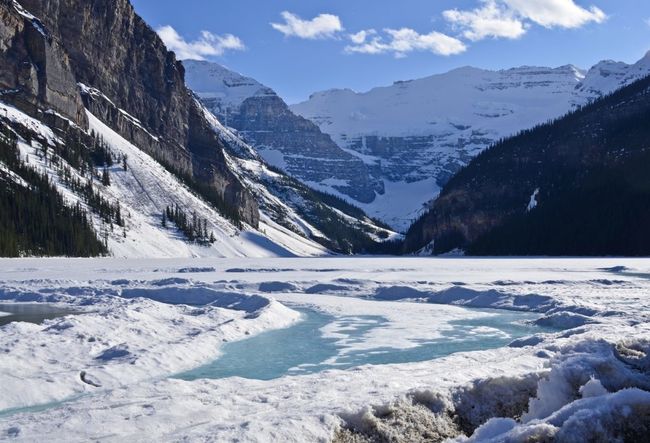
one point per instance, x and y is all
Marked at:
(147, 188)
(425, 129)
(144, 190)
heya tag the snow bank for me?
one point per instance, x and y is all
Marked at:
(127, 332)
(463, 296)
(198, 295)
(613, 404)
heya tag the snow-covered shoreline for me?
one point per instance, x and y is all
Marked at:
(599, 304)
(121, 339)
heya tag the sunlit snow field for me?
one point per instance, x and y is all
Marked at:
(282, 349)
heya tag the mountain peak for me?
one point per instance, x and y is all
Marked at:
(332, 92)
(212, 80)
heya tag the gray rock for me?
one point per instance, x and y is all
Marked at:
(266, 122)
(138, 87)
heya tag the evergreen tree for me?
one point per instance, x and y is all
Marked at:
(106, 179)
(35, 219)
(194, 228)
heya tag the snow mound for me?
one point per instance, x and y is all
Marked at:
(463, 296)
(116, 352)
(588, 395)
(323, 288)
(564, 320)
(197, 295)
(277, 286)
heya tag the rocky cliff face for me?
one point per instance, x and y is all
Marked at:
(126, 77)
(36, 70)
(284, 139)
(420, 132)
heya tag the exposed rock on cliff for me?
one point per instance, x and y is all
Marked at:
(282, 138)
(126, 76)
(36, 70)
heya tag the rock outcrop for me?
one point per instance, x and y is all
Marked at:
(71, 54)
(36, 70)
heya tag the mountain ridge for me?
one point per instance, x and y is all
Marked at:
(573, 186)
(283, 139)
(428, 128)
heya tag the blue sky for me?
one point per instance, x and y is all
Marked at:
(298, 47)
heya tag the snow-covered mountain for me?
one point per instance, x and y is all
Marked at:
(114, 144)
(576, 186)
(224, 89)
(283, 139)
(416, 134)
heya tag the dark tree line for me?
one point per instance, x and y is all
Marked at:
(34, 218)
(609, 215)
(194, 228)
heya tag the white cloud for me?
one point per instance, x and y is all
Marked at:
(560, 13)
(400, 42)
(492, 20)
(322, 26)
(361, 36)
(207, 45)
(512, 18)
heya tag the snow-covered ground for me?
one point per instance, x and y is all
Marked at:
(143, 321)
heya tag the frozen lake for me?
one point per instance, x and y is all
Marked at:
(289, 350)
(321, 341)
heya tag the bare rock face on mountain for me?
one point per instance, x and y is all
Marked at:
(282, 138)
(36, 69)
(126, 77)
